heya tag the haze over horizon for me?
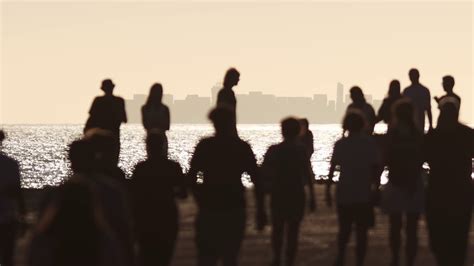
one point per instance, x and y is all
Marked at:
(55, 54)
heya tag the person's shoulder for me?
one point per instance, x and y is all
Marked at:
(119, 99)
(8, 161)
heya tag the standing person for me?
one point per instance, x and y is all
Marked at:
(403, 195)
(359, 103)
(72, 231)
(288, 170)
(306, 137)
(449, 194)
(156, 115)
(220, 222)
(357, 156)
(385, 110)
(421, 98)
(12, 205)
(448, 85)
(156, 182)
(226, 96)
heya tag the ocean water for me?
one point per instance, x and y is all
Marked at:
(42, 149)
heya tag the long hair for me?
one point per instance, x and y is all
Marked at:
(155, 97)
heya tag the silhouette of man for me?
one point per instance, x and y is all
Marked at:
(448, 85)
(155, 184)
(220, 222)
(108, 111)
(421, 98)
(226, 96)
(11, 205)
(287, 167)
(449, 194)
(359, 103)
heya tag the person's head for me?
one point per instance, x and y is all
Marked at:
(403, 113)
(448, 83)
(231, 78)
(354, 122)
(105, 147)
(81, 156)
(414, 75)
(223, 119)
(357, 95)
(156, 95)
(304, 124)
(449, 113)
(107, 86)
(290, 128)
(155, 144)
(394, 89)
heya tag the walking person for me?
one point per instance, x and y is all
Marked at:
(449, 151)
(357, 157)
(156, 115)
(156, 182)
(403, 194)
(359, 103)
(421, 98)
(287, 167)
(221, 160)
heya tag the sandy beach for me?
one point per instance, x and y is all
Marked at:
(317, 238)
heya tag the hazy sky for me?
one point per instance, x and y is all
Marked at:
(55, 54)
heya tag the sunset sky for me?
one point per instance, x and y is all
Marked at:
(55, 54)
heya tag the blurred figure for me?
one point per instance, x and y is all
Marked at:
(448, 85)
(220, 161)
(306, 137)
(357, 157)
(155, 184)
(72, 231)
(421, 98)
(359, 103)
(403, 194)
(156, 115)
(226, 96)
(12, 206)
(287, 167)
(449, 195)
(89, 158)
(385, 111)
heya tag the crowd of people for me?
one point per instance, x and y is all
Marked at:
(99, 217)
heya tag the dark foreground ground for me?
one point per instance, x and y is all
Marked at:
(317, 239)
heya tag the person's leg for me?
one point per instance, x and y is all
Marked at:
(277, 240)
(345, 218)
(205, 238)
(7, 243)
(293, 230)
(361, 248)
(411, 237)
(395, 238)
(236, 221)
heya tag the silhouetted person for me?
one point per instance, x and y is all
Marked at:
(221, 160)
(287, 167)
(12, 207)
(108, 111)
(448, 85)
(421, 98)
(89, 158)
(156, 115)
(306, 137)
(449, 194)
(156, 182)
(359, 103)
(385, 110)
(226, 96)
(72, 232)
(357, 156)
(403, 195)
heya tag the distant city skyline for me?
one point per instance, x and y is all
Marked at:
(255, 107)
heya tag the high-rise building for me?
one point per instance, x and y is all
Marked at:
(339, 99)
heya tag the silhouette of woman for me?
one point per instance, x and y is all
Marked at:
(156, 115)
(220, 222)
(155, 184)
(287, 168)
(357, 156)
(403, 195)
(359, 103)
(385, 110)
(449, 152)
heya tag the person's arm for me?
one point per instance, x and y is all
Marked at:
(428, 112)
(167, 119)
(310, 175)
(19, 194)
(328, 185)
(256, 178)
(145, 119)
(123, 112)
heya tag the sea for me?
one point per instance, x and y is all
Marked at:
(41, 150)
